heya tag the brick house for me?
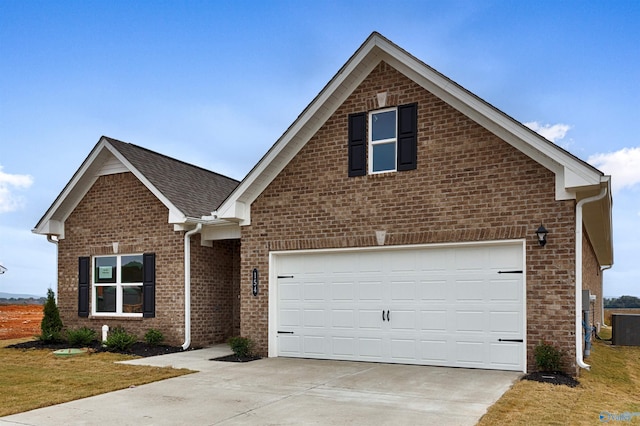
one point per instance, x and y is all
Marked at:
(394, 221)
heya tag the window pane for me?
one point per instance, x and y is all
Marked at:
(105, 270)
(132, 299)
(132, 269)
(383, 125)
(105, 298)
(384, 157)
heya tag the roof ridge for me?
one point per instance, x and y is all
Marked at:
(111, 140)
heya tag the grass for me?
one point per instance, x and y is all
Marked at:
(612, 385)
(35, 378)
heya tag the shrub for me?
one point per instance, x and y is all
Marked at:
(51, 324)
(153, 337)
(81, 337)
(119, 340)
(548, 357)
(241, 346)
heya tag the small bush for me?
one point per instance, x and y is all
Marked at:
(153, 337)
(241, 346)
(119, 340)
(548, 357)
(51, 324)
(81, 336)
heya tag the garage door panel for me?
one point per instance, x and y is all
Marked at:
(433, 351)
(433, 290)
(290, 292)
(314, 345)
(505, 290)
(504, 354)
(433, 320)
(342, 291)
(314, 318)
(370, 291)
(344, 346)
(403, 350)
(370, 348)
(402, 319)
(505, 323)
(314, 291)
(290, 317)
(343, 318)
(447, 306)
(469, 290)
(370, 319)
(470, 321)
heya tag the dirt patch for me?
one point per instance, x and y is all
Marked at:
(17, 321)
(139, 348)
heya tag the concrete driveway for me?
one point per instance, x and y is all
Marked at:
(285, 391)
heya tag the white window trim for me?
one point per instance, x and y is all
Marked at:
(118, 284)
(371, 142)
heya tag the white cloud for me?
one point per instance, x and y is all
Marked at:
(553, 132)
(622, 165)
(8, 183)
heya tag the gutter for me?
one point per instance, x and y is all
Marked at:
(187, 285)
(578, 304)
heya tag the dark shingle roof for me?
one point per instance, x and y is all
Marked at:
(193, 190)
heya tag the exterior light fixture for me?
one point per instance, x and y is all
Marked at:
(541, 233)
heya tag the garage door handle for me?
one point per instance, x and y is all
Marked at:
(387, 315)
(383, 315)
(510, 340)
(285, 332)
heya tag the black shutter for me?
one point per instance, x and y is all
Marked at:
(407, 137)
(84, 269)
(357, 144)
(149, 285)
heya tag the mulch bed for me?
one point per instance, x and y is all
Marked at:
(139, 349)
(235, 358)
(556, 378)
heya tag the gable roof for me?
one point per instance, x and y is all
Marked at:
(575, 179)
(186, 190)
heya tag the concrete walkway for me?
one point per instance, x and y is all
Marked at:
(286, 391)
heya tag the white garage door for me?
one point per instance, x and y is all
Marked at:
(458, 306)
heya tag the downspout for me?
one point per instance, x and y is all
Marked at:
(581, 203)
(187, 285)
(52, 241)
(602, 269)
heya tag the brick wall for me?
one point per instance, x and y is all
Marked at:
(469, 186)
(119, 208)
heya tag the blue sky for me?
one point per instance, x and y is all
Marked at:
(216, 83)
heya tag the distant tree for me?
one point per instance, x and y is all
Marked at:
(622, 302)
(51, 325)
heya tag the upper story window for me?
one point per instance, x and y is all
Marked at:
(117, 285)
(383, 140)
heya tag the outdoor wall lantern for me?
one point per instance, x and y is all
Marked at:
(542, 235)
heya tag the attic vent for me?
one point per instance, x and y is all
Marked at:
(382, 100)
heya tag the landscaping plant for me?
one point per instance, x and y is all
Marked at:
(51, 325)
(79, 337)
(548, 357)
(119, 340)
(153, 337)
(242, 347)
